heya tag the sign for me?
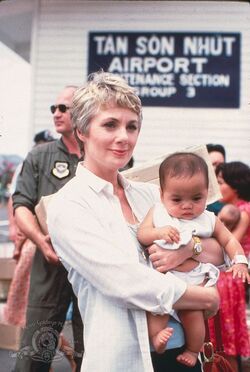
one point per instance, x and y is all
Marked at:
(172, 69)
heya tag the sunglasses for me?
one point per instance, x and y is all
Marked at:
(61, 107)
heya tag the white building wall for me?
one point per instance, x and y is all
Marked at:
(60, 56)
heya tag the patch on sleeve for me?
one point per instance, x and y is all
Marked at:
(61, 169)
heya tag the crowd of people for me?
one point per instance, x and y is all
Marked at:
(140, 264)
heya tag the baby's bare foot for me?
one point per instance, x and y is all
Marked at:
(160, 340)
(189, 358)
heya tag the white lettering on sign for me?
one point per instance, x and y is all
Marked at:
(156, 91)
(163, 65)
(111, 45)
(149, 79)
(155, 45)
(205, 80)
(180, 66)
(208, 46)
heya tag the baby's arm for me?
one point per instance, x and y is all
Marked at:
(147, 233)
(233, 249)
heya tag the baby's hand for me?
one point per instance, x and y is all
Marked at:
(170, 234)
(240, 271)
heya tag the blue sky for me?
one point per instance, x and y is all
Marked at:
(15, 82)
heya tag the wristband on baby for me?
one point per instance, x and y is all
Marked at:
(239, 259)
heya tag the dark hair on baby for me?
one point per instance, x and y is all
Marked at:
(237, 175)
(182, 164)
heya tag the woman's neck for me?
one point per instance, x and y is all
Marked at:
(112, 177)
(126, 208)
(108, 175)
(118, 189)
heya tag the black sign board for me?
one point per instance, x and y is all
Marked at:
(182, 69)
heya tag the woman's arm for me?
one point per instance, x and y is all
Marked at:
(198, 298)
(164, 260)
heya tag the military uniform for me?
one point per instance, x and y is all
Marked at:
(45, 170)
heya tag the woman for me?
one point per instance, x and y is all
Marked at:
(217, 155)
(234, 182)
(92, 223)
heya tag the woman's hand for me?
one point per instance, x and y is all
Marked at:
(164, 260)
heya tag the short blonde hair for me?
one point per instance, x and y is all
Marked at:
(102, 89)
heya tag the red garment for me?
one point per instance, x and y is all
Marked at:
(234, 330)
(235, 335)
(245, 242)
(14, 311)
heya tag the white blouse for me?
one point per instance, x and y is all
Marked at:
(92, 239)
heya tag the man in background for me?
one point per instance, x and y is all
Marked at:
(45, 170)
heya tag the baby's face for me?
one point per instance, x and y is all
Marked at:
(185, 197)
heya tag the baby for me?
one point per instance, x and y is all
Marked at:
(178, 219)
(230, 216)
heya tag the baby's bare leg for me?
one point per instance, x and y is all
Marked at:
(159, 333)
(68, 351)
(194, 327)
